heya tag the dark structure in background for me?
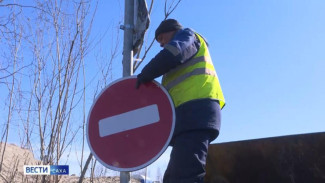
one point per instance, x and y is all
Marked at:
(287, 159)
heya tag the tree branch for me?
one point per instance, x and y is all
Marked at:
(22, 6)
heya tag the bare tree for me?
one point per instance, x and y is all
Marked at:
(11, 80)
(56, 34)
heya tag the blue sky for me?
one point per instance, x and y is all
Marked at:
(269, 56)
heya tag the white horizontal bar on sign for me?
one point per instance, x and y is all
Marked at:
(129, 120)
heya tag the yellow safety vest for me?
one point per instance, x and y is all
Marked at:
(195, 79)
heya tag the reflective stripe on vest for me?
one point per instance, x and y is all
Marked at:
(195, 79)
(197, 71)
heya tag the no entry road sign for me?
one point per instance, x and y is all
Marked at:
(130, 128)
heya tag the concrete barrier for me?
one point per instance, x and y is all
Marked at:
(287, 159)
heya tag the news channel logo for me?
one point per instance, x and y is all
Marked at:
(46, 169)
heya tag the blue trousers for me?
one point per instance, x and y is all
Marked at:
(188, 157)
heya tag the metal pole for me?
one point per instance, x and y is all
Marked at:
(127, 56)
(125, 177)
(128, 37)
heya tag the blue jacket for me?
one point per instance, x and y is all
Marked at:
(201, 114)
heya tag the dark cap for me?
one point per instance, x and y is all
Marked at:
(168, 25)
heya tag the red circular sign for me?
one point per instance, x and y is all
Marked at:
(130, 128)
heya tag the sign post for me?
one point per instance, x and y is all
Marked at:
(127, 56)
(128, 45)
(128, 37)
(128, 128)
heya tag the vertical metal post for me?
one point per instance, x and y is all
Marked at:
(128, 37)
(127, 57)
(125, 177)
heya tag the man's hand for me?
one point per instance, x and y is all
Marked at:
(139, 81)
(137, 85)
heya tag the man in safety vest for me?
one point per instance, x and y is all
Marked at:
(192, 82)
